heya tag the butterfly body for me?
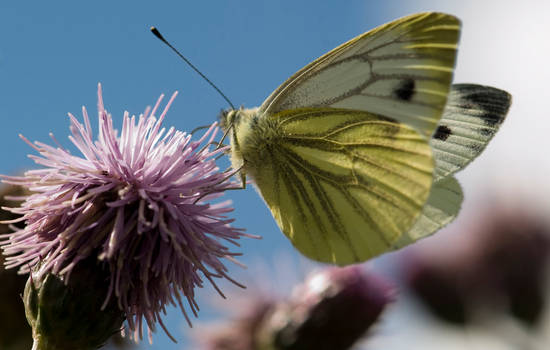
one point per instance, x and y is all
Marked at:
(253, 138)
(354, 154)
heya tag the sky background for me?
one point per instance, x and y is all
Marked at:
(53, 54)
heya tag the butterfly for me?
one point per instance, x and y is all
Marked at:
(355, 153)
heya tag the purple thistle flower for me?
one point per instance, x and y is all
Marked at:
(138, 203)
(332, 309)
(498, 264)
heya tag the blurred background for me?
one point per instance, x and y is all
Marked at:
(52, 55)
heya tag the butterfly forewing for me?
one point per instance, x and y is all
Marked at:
(401, 70)
(343, 185)
(471, 118)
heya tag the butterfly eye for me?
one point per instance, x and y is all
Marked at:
(224, 118)
(232, 116)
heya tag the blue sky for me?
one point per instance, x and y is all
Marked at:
(53, 54)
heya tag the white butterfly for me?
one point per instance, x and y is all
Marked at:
(354, 154)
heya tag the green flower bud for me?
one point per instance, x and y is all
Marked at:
(67, 313)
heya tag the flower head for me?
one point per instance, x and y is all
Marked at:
(138, 202)
(497, 265)
(332, 309)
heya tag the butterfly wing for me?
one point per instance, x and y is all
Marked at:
(402, 70)
(441, 208)
(471, 118)
(353, 168)
(343, 185)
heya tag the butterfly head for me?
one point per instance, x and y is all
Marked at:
(240, 127)
(228, 117)
(229, 122)
(237, 119)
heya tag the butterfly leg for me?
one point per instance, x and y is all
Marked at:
(243, 180)
(199, 128)
(241, 187)
(224, 135)
(243, 183)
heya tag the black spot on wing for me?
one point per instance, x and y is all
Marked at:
(487, 132)
(442, 133)
(405, 90)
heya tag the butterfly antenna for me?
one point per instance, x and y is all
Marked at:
(158, 35)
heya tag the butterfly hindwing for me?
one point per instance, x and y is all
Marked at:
(401, 70)
(343, 185)
(442, 207)
(471, 118)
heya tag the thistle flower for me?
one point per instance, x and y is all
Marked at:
(138, 203)
(500, 265)
(240, 332)
(332, 309)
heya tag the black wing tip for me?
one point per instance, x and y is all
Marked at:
(493, 101)
(491, 92)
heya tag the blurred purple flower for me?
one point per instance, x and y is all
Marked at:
(332, 309)
(138, 203)
(500, 265)
(445, 290)
(239, 333)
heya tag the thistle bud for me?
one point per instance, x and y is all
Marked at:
(332, 310)
(68, 312)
